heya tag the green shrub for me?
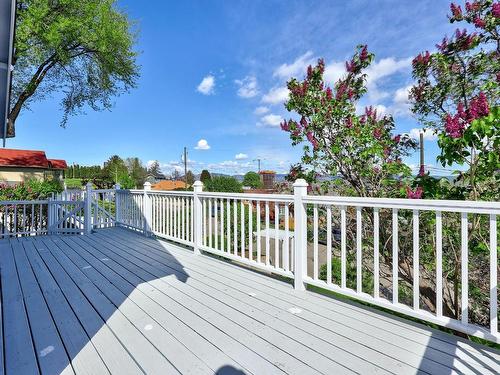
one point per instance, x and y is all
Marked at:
(223, 184)
(30, 190)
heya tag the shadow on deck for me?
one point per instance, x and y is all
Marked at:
(117, 302)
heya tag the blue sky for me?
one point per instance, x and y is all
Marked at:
(213, 75)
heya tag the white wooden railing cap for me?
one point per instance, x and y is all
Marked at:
(117, 186)
(147, 185)
(198, 185)
(300, 183)
(89, 185)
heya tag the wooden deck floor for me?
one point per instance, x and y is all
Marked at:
(117, 302)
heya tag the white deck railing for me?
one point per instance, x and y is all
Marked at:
(303, 237)
(394, 253)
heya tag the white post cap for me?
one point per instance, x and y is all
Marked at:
(147, 185)
(300, 183)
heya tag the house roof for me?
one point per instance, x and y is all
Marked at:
(29, 159)
(168, 185)
(58, 164)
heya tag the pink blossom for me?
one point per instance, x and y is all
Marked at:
(312, 139)
(498, 77)
(321, 66)
(377, 133)
(422, 59)
(362, 119)
(303, 122)
(472, 7)
(364, 53)
(376, 170)
(329, 93)
(285, 126)
(456, 10)
(387, 152)
(371, 112)
(479, 106)
(309, 72)
(340, 90)
(397, 138)
(421, 171)
(350, 66)
(495, 10)
(479, 23)
(414, 194)
(443, 46)
(348, 123)
(454, 126)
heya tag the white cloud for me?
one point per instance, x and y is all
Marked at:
(298, 67)
(149, 163)
(429, 134)
(381, 110)
(382, 69)
(333, 72)
(241, 156)
(401, 102)
(276, 95)
(270, 120)
(386, 67)
(202, 145)
(261, 110)
(247, 87)
(207, 85)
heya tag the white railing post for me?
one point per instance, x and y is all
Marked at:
(197, 216)
(118, 212)
(50, 214)
(300, 222)
(147, 209)
(88, 208)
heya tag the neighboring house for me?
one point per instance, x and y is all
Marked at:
(22, 165)
(268, 178)
(169, 185)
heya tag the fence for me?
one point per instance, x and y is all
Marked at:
(430, 259)
(393, 253)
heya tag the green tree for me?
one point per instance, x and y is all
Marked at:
(253, 180)
(189, 178)
(80, 49)
(457, 94)
(137, 171)
(224, 184)
(205, 176)
(361, 149)
(154, 169)
(115, 171)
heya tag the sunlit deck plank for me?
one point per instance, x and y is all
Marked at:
(118, 292)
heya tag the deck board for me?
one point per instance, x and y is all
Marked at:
(385, 342)
(118, 302)
(52, 356)
(19, 352)
(351, 315)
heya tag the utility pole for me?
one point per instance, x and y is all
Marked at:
(258, 161)
(185, 167)
(422, 160)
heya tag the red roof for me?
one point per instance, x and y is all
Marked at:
(58, 164)
(29, 159)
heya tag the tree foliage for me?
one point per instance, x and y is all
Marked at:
(361, 149)
(205, 176)
(457, 94)
(223, 184)
(253, 180)
(82, 50)
(189, 178)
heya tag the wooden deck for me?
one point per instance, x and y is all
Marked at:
(117, 302)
